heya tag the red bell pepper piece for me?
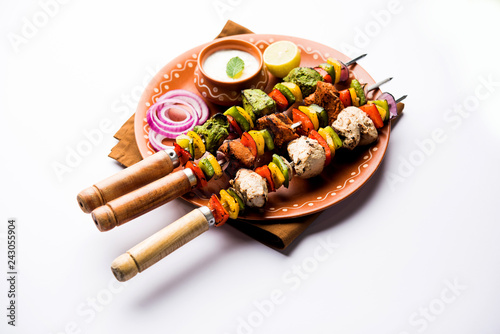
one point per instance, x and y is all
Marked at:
(220, 214)
(327, 77)
(183, 155)
(235, 125)
(266, 174)
(200, 177)
(247, 140)
(328, 154)
(280, 99)
(307, 125)
(345, 98)
(372, 112)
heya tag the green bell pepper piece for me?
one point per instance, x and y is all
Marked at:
(207, 168)
(336, 139)
(242, 122)
(283, 168)
(268, 139)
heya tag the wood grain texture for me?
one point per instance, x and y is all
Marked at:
(159, 245)
(125, 181)
(142, 200)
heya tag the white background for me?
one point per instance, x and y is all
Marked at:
(425, 221)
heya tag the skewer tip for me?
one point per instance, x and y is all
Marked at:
(352, 61)
(401, 98)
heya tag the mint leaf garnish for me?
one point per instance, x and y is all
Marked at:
(235, 67)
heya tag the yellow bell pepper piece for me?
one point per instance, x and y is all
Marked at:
(184, 141)
(244, 113)
(216, 166)
(295, 89)
(313, 116)
(338, 68)
(354, 97)
(199, 146)
(277, 175)
(382, 112)
(259, 141)
(230, 204)
(329, 140)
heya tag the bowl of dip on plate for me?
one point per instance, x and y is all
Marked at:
(211, 79)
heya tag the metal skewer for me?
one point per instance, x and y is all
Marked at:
(374, 86)
(401, 98)
(352, 61)
(377, 85)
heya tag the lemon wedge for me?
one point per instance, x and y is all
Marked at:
(281, 57)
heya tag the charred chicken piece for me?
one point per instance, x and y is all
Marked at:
(280, 127)
(235, 150)
(326, 96)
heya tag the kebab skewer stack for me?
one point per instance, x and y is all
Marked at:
(167, 159)
(161, 164)
(310, 141)
(244, 151)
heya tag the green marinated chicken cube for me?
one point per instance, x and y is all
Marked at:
(257, 103)
(304, 77)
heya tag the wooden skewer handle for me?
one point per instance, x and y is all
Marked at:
(142, 200)
(145, 171)
(162, 243)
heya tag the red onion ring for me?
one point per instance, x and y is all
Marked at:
(200, 105)
(159, 111)
(162, 126)
(156, 142)
(165, 129)
(165, 126)
(170, 131)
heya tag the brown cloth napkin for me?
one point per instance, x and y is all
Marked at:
(277, 233)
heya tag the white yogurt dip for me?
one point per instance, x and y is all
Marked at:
(215, 64)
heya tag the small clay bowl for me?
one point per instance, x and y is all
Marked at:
(228, 93)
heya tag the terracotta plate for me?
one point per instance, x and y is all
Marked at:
(348, 172)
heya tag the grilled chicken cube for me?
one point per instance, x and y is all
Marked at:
(326, 96)
(235, 150)
(354, 125)
(308, 157)
(280, 127)
(252, 187)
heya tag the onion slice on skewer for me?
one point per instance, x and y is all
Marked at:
(393, 110)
